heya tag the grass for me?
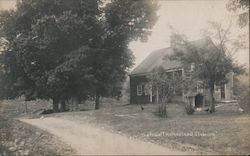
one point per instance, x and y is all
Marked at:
(224, 132)
(227, 131)
(18, 138)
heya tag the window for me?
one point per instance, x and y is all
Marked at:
(199, 87)
(139, 90)
(147, 89)
(216, 88)
(192, 66)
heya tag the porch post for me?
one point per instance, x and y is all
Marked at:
(151, 94)
(225, 90)
(157, 95)
(183, 77)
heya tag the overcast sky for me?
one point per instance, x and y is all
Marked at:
(188, 17)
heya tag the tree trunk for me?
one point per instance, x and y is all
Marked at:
(163, 107)
(63, 106)
(212, 104)
(157, 95)
(97, 102)
(26, 107)
(55, 105)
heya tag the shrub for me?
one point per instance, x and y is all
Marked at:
(243, 98)
(189, 109)
(241, 92)
(163, 110)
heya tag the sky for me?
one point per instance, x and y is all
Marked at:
(7, 4)
(188, 17)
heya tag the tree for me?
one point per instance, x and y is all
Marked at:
(211, 64)
(64, 50)
(164, 85)
(241, 90)
(240, 7)
(42, 34)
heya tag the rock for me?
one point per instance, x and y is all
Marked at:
(48, 111)
(39, 111)
(12, 149)
(4, 153)
(21, 143)
(23, 152)
(198, 109)
(20, 152)
(11, 144)
(241, 110)
(16, 140)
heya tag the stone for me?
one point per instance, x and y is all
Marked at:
(26, 152)
(23, 152)
(22, 143)
(4, 153)
(241, 110)
(20, 152)
(16, 141)
(11, 144)
(12, 148)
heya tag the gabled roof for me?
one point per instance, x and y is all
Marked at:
(156, 58)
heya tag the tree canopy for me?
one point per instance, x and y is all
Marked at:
(211, 63)
(241, 7)
(61, 49)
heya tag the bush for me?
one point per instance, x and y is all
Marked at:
(241, 92)
(163, 110)
(189, 109)
(243, 99)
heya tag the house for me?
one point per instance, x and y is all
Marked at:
(139, 93)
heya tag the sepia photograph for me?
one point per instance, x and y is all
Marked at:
(124, 77)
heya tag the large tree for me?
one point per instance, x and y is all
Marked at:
(241, 8)
(164, 84)
(63, 49)
(211, 63)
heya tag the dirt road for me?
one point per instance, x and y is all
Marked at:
(18, 138)
(91, 140)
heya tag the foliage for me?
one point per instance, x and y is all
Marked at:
(211, 64)
(189, 108)
(70, 49)
(163, 110)
(225, 39)
(241, 91)
(164, 84)
(241, 7)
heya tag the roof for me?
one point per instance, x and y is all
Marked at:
(156, 59)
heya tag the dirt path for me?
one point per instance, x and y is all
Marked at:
(89, 140)
(18, 138)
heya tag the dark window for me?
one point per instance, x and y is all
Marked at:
(139, 90)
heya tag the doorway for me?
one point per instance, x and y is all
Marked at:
(198, 100)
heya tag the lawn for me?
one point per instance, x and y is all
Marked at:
(18, 138)
(227, 131)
